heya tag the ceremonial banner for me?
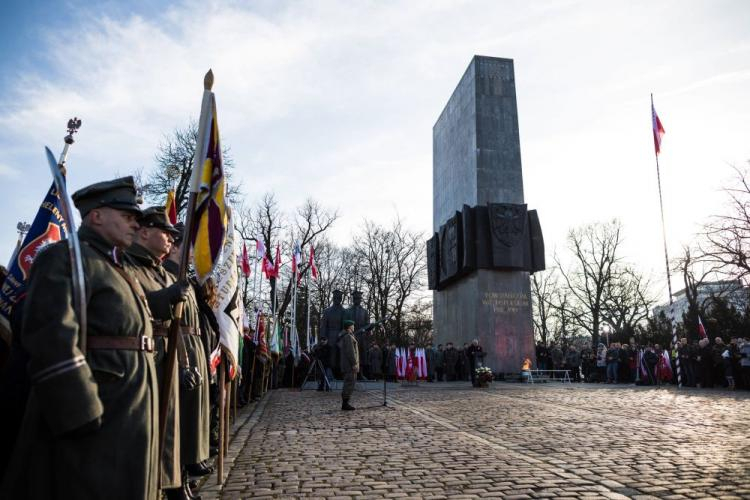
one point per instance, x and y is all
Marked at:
(48, 227)
(210, 207)
(228, 308)
(171, 208)
(701, 329)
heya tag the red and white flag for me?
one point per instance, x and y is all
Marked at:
(313, 267)
(701, 329)
(658, 129)
(245, 261)
(277, 262)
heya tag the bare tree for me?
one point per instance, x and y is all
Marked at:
(173, 168)
(394, 267)
(594, 248)
(627, 302)
(727, 246)
(543, 286)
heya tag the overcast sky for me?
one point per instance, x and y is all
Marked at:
(336, 100)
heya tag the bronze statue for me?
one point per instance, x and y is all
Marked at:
(331, 324)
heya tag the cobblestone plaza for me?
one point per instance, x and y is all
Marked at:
(507, 441)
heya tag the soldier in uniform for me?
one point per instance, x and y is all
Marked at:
(153, 242)
(195, 408)
(91, 424)
(349, 362)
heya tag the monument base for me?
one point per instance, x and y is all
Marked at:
(493, 307)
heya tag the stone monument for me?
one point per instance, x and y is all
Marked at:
(486, 242)
(331, 324)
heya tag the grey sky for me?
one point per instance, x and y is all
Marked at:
(336, 100)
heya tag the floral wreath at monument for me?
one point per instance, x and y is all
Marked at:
(484, 375)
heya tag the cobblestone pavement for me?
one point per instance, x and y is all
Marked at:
(508, 441)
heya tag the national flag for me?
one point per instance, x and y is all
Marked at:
(48, 227)
(701, 329)
(658, 129)
(277, 262)
(260, 247)
(274, 344)
(261, 333)
(171, 207)
(313, 267)
(210, 223)
(296, 257)
(228, 307)
(245, 261)
(664, 367)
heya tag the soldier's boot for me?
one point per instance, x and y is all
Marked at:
(345, 405)
(180, 493)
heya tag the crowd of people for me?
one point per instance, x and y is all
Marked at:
(702, 363)
(444, 363)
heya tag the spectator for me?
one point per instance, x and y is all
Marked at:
(558, 359)
(705, 360)
(573, 363)
(613, 363)
(601, 363)
(440, 362)
(375, 356)
(451, 361)
(718, 361)
(542, 356)
(686, 365)
(744, 349)
(475, 355)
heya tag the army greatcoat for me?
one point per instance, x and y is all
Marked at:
(195, 411)
(349, 362)
(59, 453)
(154, 279)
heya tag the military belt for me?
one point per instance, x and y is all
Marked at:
(160, 330)
(188, 330)
(140, 343)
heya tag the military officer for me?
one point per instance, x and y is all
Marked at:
(144, 259)
(91, 424)
(349, 362)
(195, 411)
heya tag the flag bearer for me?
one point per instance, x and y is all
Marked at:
(91, 424)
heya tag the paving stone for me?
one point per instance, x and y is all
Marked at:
(510, 441)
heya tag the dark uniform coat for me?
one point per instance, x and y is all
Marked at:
(154, 279)
(57, 454)
(195, 410)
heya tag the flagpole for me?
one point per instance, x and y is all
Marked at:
(664, 236)
(307, 329)
(222, 428)
(200, 149)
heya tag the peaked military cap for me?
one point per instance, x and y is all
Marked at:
(180, 234)
(157, 217)
(118, 194)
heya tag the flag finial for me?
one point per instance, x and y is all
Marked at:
(208, 80)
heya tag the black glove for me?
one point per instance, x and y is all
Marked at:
(190, 377)
(177, 292)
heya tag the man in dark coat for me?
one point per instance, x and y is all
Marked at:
(195, 407)
(475, 355)
(91, 424)
(349, 362)
(153, 242)
(376, 361)
(451, 362)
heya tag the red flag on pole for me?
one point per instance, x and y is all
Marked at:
(313, 267)
(657, 128)
(245, 261)
(701, 329)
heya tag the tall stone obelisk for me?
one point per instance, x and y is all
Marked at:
(485, 241)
